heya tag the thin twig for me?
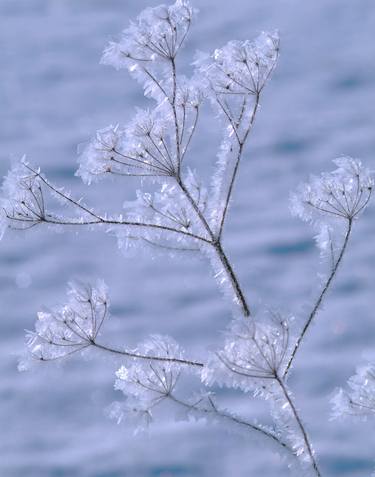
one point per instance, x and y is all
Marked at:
(130, 354)
(300, 425)
(320, 298)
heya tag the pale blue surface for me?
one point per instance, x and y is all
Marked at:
(320, 104)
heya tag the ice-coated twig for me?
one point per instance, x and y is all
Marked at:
(320, 298)
(214, 411)
(76, 326)
(300, 424)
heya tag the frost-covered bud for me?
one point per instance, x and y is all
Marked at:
(157, 34)
(341, 194)
(146, 383)
(359, 400)
(23, 202)
(100, 155)
(71, 327)
(242, 67)
(253, 355)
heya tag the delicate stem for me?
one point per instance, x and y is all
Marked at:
(320, 298)
(103, 221)
(234, 419)
(234, 281)
(174, 109)
(130, 354)
(236, 166)
(300, 425)
(213, 240)
(220, 252)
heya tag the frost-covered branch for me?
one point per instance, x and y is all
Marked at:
(75, 326)
(334, 200)
(205, 406)
(181, 214)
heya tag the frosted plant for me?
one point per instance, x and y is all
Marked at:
(332, 201)
(184, 214)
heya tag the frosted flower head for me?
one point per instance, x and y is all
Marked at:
(150, 152)
(148, 382)
(242, 67)
(71, 327)
(359, 400)
(341, 194)
(23, 203)
(99, 156)
(253, 355)
(157, 34)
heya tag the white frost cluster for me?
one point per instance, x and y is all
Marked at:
(71, 327)
(150, 43)
(98, 157)
(341, 194)
(146, 383)
(253, 355)
(359, 400)
(242, 67)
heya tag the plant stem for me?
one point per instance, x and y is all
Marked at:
(320, 298)
(237, 164)
(300, 425)
(233, 419)
(219, 251)
(146, 357)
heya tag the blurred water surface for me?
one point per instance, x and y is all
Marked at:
(320, 105)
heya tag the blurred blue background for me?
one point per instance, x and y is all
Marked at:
(319, 105)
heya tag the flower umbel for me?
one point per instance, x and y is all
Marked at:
(72, 327)
(254, 353)
(341, 194)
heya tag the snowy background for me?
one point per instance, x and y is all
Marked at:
(319, 105)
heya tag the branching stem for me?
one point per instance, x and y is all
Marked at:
(241, 144)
